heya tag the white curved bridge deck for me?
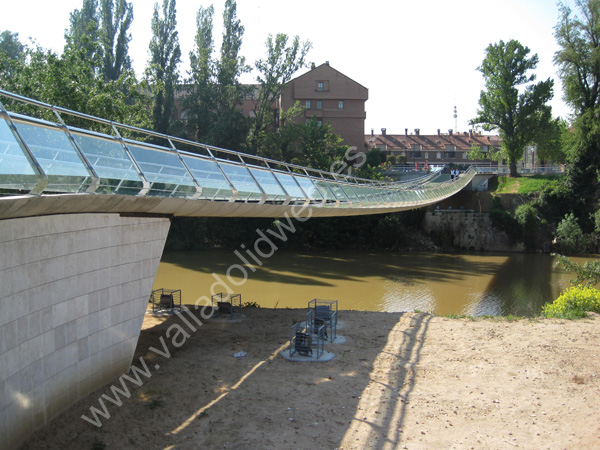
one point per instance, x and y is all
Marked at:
(47, 167)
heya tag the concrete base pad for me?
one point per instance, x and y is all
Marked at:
(325, 356)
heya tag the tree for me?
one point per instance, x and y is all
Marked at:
(12, 52)
(281, 63)
(114, 37)
(318, 145)
(550, 141)
(84, 29)
(511, 103)
(477, 154)
(165, 56)
(230, 128)
(198, 104)
(578, 62)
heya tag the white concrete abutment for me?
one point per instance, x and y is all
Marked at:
(73, 292)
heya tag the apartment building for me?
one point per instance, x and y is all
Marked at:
(440, 148)
(330, 97)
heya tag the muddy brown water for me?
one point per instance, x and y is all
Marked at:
(471, 284)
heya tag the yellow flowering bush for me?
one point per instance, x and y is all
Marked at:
(573, 303)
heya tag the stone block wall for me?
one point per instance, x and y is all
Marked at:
(470, 230)
(73, 293)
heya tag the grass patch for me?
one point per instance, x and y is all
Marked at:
(525, 184)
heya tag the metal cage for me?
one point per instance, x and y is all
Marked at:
(228, 304)
(165, 299)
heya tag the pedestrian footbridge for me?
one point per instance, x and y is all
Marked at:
(85, 208)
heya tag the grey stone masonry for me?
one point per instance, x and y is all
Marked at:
(73, 293)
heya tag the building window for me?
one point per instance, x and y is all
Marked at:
(319, 122)
(307, 104)
(320, 86)
(426, 155)
(449, 154)
(319, 104)
(341, 104)
(439, 155)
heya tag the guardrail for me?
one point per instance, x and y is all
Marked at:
(39, 156)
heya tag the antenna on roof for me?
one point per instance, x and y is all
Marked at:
(455, 119)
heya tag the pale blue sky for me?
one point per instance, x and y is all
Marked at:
(418, 59)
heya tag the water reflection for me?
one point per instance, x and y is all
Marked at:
(490, 284)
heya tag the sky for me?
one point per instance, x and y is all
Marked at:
(418, 59)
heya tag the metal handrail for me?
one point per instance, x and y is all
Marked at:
(377, 193)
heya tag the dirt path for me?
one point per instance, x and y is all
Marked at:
(408, 380)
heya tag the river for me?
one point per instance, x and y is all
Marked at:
(469, 284)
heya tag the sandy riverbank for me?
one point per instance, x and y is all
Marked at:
(400, 380)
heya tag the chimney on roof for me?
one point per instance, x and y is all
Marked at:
(470, 133)
(327, 63)
(312, 66)
(383, 130)
(372, 132)
(450, 131)
(438, 131)
(417, 131)
(406, 132)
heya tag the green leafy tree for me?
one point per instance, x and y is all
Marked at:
(199, 100)
(281, 63)
(230, 127)
(587, 274)
(512, 103)
(116, 17)
(550, 142)
(526, 216)
(578, 61)
(477, 154)
(165, 56)
(85, 26)
(569, 235)
(69, 80)
(12, 53)
(317, 145)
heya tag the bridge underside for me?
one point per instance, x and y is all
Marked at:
(30, 206)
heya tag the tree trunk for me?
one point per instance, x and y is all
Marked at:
(513, 169)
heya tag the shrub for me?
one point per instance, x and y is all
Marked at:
(569, 235)
(525, 216)
(573, 303)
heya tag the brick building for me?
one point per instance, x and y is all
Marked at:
(330, 97)
(440, 148)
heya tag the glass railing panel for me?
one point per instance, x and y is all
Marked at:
(373, 195)
(16, 174)
(360, 193)
(338, 191)
(242, 181)
(164, 171)
(269, 184)
(324, 189)
(57, 157)
(289, 184)
(209, 177)
(307, 185)
(346, 189)
(115, 169)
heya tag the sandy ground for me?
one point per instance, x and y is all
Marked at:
(400, 380)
